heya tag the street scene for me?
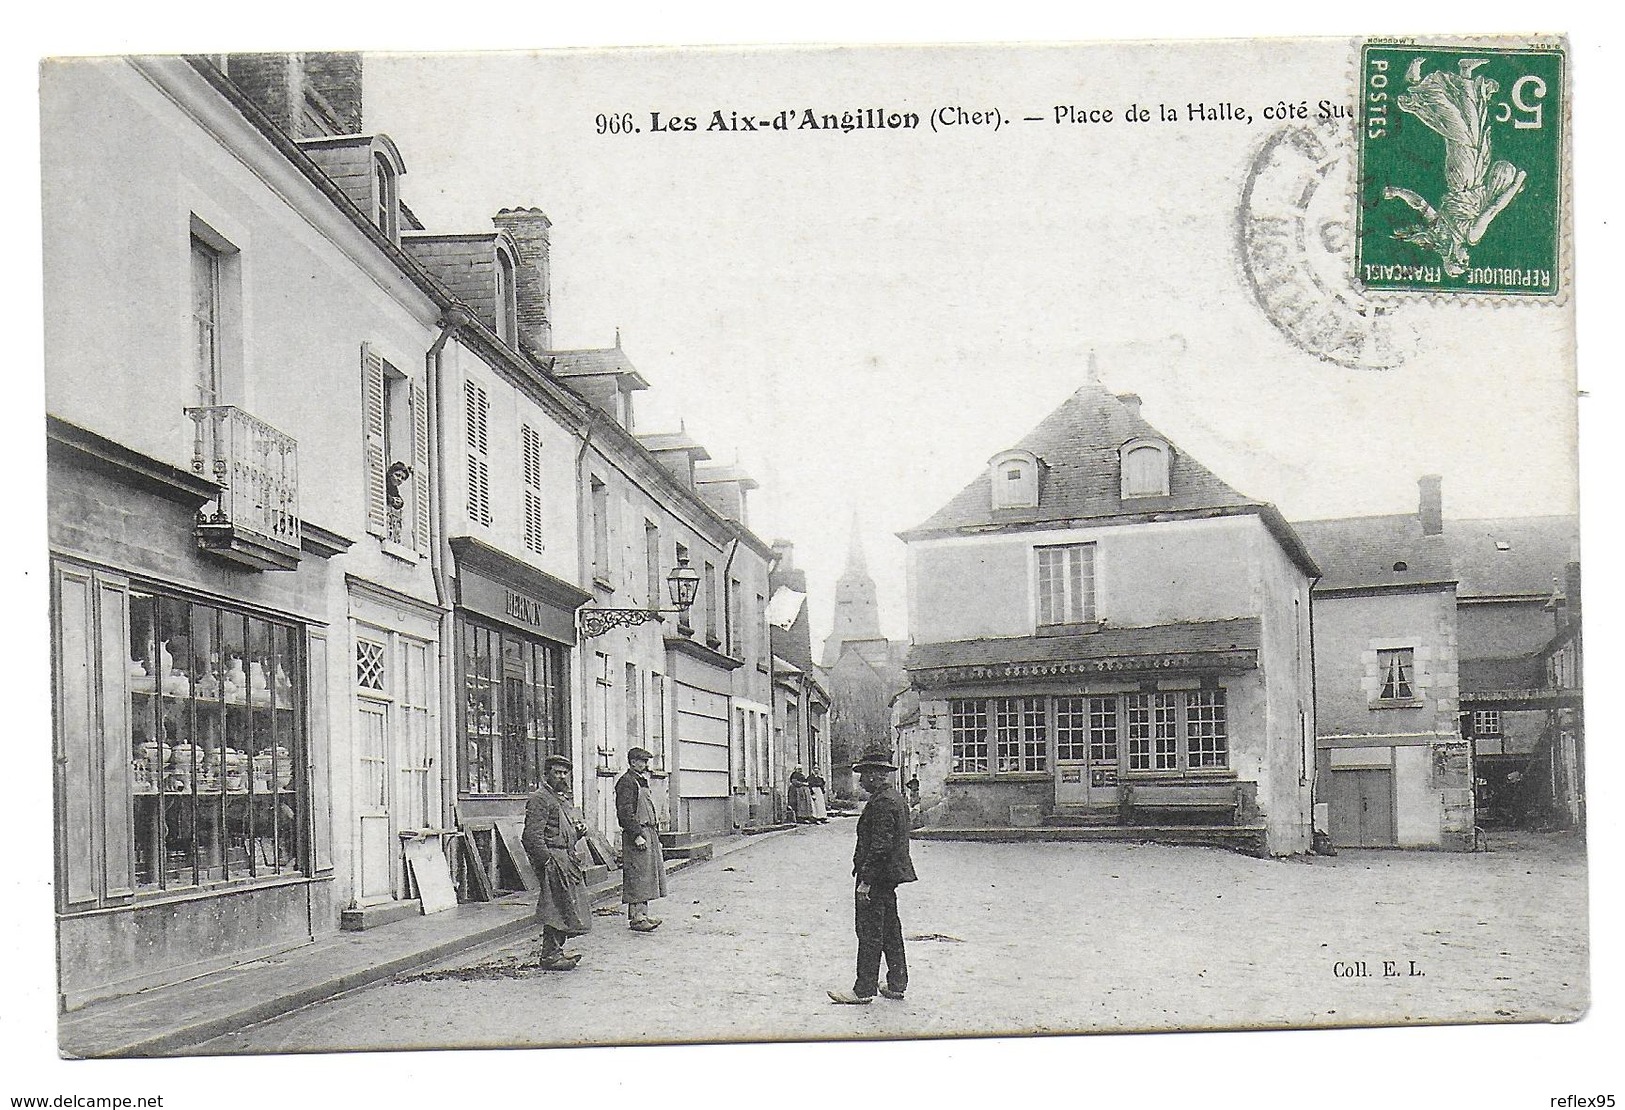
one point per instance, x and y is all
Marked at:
(752, 939)
(680, 547)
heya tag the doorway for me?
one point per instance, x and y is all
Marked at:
(1362, 808)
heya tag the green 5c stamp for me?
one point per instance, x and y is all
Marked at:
(1461, 158)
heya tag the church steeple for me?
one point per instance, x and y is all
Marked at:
(857, 609)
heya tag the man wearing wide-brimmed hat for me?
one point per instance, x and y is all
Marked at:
(552, 830)
(880, 863)
(643, 874)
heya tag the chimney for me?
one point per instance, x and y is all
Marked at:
(534, 289)
(1430, 508)
(1571, 593)
(1131, 401)
(336, 78)
(278, 85)
(784, 556)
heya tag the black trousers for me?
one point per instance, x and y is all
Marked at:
(880, 933)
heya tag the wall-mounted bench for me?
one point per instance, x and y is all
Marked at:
(1223, 799)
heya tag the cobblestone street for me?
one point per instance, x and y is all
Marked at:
(1014, 938)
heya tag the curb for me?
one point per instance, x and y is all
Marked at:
(172, 1041)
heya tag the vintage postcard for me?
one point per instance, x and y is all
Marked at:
(673, 546)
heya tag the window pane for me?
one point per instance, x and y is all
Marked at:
(149, 747)
(969, 743)
(1165, 720)
(1137, 708)
(1071, 728)
(1207, 743)
(281, 798)
(1103, 730)
(480, 713)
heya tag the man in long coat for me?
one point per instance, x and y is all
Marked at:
(643, 871)
(552, 829)
(879, 864)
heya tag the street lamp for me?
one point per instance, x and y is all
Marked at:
(683, 582)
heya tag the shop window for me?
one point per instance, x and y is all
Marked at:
(969, 735)
(1396, 668)
(1153, 736)
(1207, 744)
(1020, 734)
(1066, 584)
(514, 691)
(1017, 741)
(216, 743)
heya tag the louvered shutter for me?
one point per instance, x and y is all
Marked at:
(420, 467)
(479, 470)
(372, 419)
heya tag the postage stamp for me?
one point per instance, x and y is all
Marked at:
(1460, 184)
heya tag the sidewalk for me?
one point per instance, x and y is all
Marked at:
(165, 1020)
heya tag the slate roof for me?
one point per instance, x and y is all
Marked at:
(589, 362)
(1237, 634)
(1078, 444)
(1362, 551)
(1538, 549)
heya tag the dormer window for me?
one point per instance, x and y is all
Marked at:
(1015, 479)
(1144, 467)
(507, 311)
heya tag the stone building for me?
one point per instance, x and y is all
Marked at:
(1392, 767)
(1103, 632)
(1437, 710)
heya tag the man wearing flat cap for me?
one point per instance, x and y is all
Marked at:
(643, 874)
(552, 830)
(880, 863)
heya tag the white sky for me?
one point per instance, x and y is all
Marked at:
(863, 319)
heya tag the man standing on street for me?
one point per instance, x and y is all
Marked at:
(643, 873)
(552, 829)
(880, 863)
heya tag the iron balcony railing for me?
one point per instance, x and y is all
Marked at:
(257, 470)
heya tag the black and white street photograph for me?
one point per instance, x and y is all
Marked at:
(770, 564)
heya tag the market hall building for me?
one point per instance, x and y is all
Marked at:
(1103, 632)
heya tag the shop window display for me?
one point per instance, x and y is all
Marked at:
(215, 743)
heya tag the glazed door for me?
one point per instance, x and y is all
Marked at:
(1086, 751)
(375, 873)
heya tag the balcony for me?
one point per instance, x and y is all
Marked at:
(255, 520)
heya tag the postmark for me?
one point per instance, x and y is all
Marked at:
(1460, 173)
(1295, 242)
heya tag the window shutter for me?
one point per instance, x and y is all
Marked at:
(372, 419)
(479, 469)
(420, 467)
